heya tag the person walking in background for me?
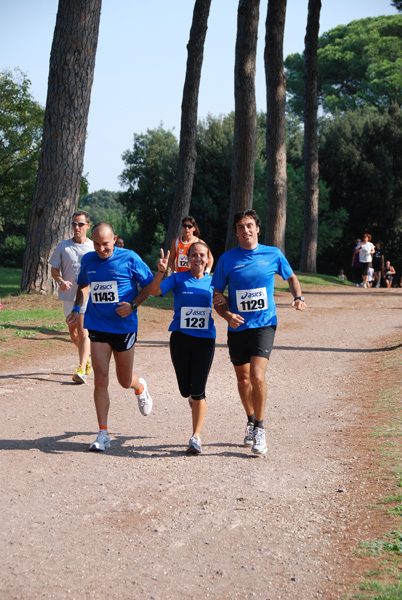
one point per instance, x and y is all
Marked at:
(341, 275)
(378, 263)
(65, 267)
(192, 341)
(366, 251)
(389, 273)
(356, 262)
(178, 260)
(119, 242)
(110, 276)
(249, 272)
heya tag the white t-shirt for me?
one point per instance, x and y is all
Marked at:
(365, 252)
(67, 258)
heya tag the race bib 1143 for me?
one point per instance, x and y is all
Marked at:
(104, 292)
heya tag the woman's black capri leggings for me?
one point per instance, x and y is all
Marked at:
(192, 359)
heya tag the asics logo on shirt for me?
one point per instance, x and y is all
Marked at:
(97, 286)
(251, 295)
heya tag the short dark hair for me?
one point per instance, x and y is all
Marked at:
(249, 212)
(78, 213)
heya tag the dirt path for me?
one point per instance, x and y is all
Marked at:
(145, 521)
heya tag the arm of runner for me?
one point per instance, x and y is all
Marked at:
(154, 287)
(296, 291)
(221, 307)
(56, 274)
(80, 297)
(126, 308)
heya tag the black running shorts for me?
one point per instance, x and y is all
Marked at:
(120, 342)
(250, 342)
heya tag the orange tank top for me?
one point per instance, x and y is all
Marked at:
(181, 260)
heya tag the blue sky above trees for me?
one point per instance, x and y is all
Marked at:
(141, 61)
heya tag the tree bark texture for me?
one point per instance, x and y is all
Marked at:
(308, 262)
(276, 138)
(72, 63)
(245, 124)
(189, 117)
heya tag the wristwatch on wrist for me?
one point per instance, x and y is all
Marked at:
(59, 282)
(134, 306)
(298, 298)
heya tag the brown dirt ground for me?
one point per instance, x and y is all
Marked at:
(146, 521)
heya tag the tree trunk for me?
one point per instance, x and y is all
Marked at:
(189, 115)
(308, 263)
(245, 124)
(276, 138)
(72, 63)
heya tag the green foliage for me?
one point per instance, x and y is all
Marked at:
(21, 121)
(150, 178)
(212, 179)
(331, 222)
(359, 64)
(106, 206)
(361, 162)
(12, 251)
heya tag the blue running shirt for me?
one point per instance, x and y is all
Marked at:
(112, 280)
(192, 304)
(250, 275)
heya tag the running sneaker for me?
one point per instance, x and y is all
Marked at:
(144, 399)
(248, 438)
(194, 445)
(259, 444)
(101, 443)
(190, 402)
(79, 375)
(88, 366)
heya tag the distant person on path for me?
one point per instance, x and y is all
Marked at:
(341, 275)
(366, 251)
(119, 242)
(378, 263)
(389, 274)
(110, 276)
(65, 267)
(192, 341)
(178, 261)
(370, 277)
(356, 263)
(249, 272)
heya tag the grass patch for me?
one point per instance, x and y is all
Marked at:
(10, 280)
(384, 582)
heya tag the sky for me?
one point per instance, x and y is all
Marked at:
(141, 63)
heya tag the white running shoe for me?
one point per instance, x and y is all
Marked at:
(79, 375)
(101, 443)
(194, 445)
(259, 444)
(248, 438)
(144, 399)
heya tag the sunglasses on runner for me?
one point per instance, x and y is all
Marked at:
(74, 223)
(187, 226)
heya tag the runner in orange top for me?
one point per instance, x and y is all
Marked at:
(178, 252)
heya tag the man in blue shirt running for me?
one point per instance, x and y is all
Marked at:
(250, 311)
(109, 277)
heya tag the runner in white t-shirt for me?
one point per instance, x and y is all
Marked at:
(66, 263)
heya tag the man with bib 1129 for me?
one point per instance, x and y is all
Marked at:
(109, 276)
(249, 272)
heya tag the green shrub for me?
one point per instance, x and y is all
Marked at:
(12, 251)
